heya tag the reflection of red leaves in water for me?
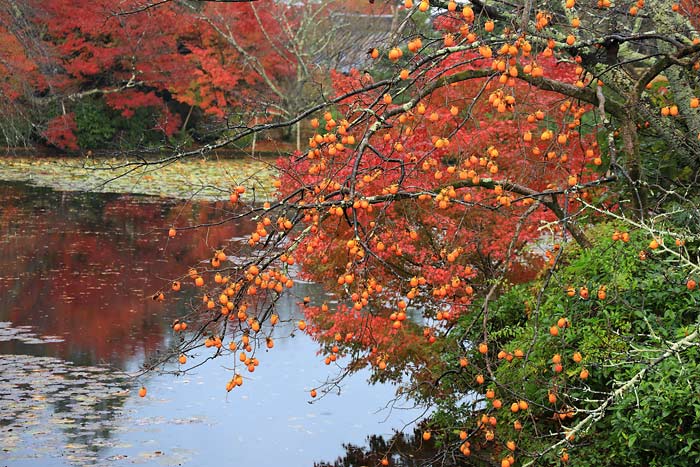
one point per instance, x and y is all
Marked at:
(86, 267)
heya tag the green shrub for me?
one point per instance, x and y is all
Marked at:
(645, 307)
(96, 123)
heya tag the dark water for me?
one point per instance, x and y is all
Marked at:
(77, 273)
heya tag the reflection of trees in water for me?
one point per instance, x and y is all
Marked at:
(84, 265)
(54, 408)
(405, 450)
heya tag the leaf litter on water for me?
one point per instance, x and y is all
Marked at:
(201, 179)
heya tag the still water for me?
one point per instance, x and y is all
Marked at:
(77, 273)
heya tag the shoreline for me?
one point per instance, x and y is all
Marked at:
(264, 149)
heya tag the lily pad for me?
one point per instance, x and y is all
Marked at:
(60, 417)
(23, 334)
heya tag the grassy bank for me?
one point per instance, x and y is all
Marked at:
(194, 178)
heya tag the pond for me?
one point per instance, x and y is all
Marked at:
(77, 273)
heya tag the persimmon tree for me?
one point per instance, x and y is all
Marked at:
(556, 137)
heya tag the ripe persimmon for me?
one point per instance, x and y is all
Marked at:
(583, 292)
(468, 14)
(395, 54)
(602, 294)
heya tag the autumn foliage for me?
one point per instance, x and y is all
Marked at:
(502, 209)
(168, 68)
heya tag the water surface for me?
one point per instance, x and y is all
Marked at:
(77, 275)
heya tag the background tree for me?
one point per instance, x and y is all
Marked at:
(290, 47)
(20, 67)
(134, 76)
